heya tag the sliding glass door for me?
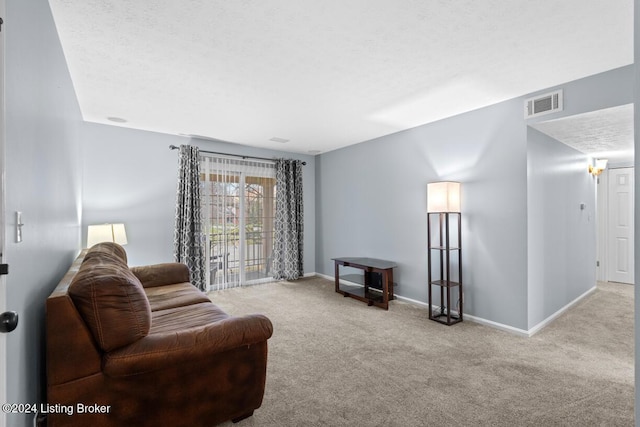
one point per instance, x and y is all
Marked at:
(238, 207)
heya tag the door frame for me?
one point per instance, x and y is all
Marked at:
(602, 200)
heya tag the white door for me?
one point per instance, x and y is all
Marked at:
(621, 240)
(3, 349)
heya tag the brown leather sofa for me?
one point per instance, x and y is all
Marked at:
(144, 347)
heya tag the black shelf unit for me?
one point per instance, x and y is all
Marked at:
(442, 255)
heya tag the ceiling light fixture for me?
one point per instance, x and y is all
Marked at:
(117, 120)
(276, 139)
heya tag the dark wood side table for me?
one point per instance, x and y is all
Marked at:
(366, 293)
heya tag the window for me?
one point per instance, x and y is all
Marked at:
(238, 209)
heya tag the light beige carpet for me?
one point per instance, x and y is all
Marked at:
(334, 361)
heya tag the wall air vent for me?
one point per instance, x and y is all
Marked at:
(543, 104)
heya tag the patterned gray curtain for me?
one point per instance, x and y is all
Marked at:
(288, 224)
(188, 246)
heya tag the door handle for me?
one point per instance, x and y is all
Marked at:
(8, 321)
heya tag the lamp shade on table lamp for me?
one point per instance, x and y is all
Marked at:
(106, 233)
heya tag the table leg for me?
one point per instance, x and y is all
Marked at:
(385, 289)
(429, 305)
(448, 305)
(367, 280)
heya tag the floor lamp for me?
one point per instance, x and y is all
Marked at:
(444, 249)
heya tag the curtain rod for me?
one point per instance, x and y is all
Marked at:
(173, 147)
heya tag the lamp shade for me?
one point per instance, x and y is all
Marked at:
(106, 233)
(443, 196)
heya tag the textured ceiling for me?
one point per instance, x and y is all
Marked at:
(605, 133)
(325, 74)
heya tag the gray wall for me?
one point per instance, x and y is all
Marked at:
(561, 237)
(130, 176)
(371, 201)
(43, 180)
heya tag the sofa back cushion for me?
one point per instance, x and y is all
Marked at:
(111, 300)
(106, 248)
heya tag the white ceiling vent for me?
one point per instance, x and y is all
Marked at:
(543, 104)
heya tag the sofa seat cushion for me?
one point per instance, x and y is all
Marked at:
(185, 335)
(176, 295)
(111, 300)
(185, 317)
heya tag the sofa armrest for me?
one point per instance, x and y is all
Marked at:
(158, 351)
(161, 274)
(71, 350)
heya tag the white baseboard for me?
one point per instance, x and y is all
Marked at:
(496, 325)
(558, 313)
(513, 330)
(325, 276)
